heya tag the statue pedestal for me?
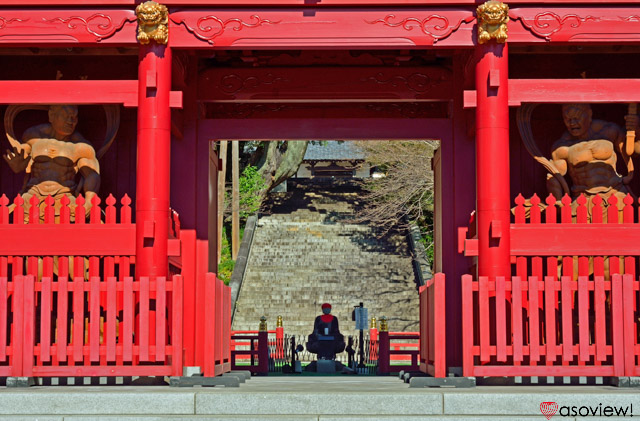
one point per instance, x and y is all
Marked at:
(326, 366)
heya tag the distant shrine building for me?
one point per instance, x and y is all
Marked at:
(111, 113)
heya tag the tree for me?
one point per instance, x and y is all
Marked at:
(405, 190)
(275, 161)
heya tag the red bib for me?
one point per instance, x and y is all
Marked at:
(327, 318)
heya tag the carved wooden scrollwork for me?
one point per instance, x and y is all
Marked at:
(437, 26)
(99, 25)
(74, 26)
(416, 82)
(546, 24)
(210, 27)
(232, 84)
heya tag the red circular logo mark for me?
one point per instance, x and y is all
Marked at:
(548, 409)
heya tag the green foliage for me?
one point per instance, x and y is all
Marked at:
(252, 185)
(227, 264)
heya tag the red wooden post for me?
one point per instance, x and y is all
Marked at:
(17, 336)
(3, 318)
(373, 342)
(439, 326)
(492, 160)
(384, 357)
(176, 328)
(152, 183)
(279, 338)
(29, 325)
(209, 324)
(263, 352)
(467, 325)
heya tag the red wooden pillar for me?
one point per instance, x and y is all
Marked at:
(492, 160)
(153, 171)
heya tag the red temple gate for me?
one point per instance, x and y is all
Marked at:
(288, 69)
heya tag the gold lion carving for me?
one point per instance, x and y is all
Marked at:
(492, 21)
(152, 22)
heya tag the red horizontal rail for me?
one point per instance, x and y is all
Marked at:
(69, 240)
(294, 3)
(562, 91)
(76, 92)
(575, 240)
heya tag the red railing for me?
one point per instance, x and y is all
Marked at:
(57, 247)
(578, 242)
(568, 312)
(11, 339)
(60, 329)
(548, 327)
(258, 353)
(275, 342)
(433, 327)
(389, 350)
(217, 337)
(94, 243)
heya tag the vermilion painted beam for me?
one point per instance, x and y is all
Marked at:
(321, 28)
(69, 240)
(325, 128)
(301, 3)
(575, 240)
(75, 92)
(51, 27)
(284, 84)
(560, 91)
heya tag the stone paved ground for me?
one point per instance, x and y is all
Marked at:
(306, 398)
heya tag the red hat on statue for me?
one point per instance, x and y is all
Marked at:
(326, 305)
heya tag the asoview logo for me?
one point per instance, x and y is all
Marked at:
(549, 409)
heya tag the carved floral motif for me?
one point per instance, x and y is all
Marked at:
(546, 24)
(436, 26)
(417, 82)
(207, 28)
(99, 25)
(232, 84)
(4, 21)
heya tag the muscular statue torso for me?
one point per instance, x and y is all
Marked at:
(590, 162)
(55, 162)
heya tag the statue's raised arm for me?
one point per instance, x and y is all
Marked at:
(52, 154)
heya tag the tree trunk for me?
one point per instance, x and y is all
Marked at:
(276, 165)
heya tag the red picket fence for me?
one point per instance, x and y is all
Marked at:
(11, 314)
(549, 327)
(275, 341)
(99, 247)
(432, 327)
(631, 325)
(583, 242)
(59, 328)
(49, 249)
(568, 311)
(258, 353)
(217, 345)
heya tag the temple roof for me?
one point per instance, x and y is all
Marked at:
(333, 150)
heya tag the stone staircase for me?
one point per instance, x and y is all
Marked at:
(306, 251)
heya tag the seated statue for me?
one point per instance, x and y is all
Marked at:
(52, 154)
(326, 339)
(587, 152)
